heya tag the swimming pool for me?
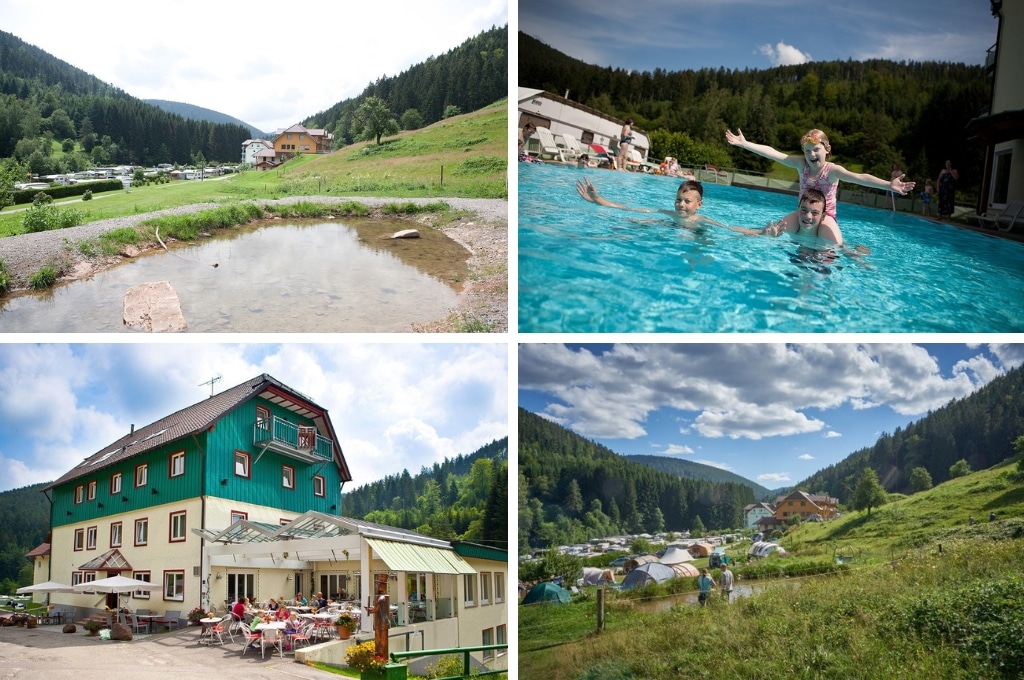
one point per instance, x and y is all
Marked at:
(587, 268)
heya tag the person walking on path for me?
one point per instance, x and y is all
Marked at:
(726, 581)
(705, 584)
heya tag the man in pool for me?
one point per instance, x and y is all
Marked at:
(806, 224)
(689, 199)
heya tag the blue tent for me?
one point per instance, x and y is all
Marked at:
(645, 574)
(546, 592)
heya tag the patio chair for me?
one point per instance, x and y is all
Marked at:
(136, 623)
(251, 638)
(570, 147)
(303, 636)
(170, 618)
(217, 630)
(1005, 219)
(271, 637)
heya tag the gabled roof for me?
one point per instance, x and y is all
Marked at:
(112, 560)
(199, 417)
(39, 550)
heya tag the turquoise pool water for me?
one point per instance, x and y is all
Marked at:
(587, 268)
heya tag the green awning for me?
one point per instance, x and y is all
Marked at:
(419, 558)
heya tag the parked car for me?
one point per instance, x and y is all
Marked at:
(618, 562)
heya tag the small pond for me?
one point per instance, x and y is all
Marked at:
(294, 276)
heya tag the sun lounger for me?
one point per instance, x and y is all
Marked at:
(1006, 218)
(548, 148)
(570, 147)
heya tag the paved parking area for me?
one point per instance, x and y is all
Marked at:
(46, 652)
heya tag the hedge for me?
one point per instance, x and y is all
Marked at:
(26, 195)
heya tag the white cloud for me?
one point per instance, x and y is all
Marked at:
(677, 450)
(832, 434)
(773, 477)
(714, 463)
(806, 456)
(783, 55)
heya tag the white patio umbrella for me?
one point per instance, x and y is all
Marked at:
(115, 584)
(47, 587)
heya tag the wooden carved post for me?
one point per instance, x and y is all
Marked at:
(380, 607)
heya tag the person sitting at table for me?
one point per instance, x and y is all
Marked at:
(321, 601)
(300, 601)
(257, 619)
(282, 614)
(238, 610)
(273, 605)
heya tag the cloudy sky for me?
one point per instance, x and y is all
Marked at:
(772, 413)
(691, 34)
(393, 406)
(269, 64)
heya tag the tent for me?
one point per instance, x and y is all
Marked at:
(594, 576)
(685, 569)
(701, 549)
(647, 574)
(764, 548)
(635, 562)
(48, 587)
(546, 592)
(676, 554)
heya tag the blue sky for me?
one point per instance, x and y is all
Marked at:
(256, 60)
(393, 406)
(773, 413)
(678, 35)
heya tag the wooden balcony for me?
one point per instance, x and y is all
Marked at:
(296, 441)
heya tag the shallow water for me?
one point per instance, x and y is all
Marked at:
(277, 276)
(586, 268)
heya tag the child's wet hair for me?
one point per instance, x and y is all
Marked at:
(816, 137)
(813, 196)
(691, 185)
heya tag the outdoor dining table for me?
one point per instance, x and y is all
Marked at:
(148, 619)
(206, 634)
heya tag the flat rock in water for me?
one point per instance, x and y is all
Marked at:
(406, 233)
(154, 308)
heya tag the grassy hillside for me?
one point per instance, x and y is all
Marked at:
(472, 149)
(927, 595)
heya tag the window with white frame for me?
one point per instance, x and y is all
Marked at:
(177, 464)
(469, 586)
(174, 585)
(142, 576)
(141, 475)
(241, 464)
(501, 638)
(115, 483)
(499, 586)
(90, 491)
(236, 516)
(319, 486)
(79, 494)
(115, 535)
(90, 538)
(79, 539)
(485, 587)
(288, 476)
(76, 578)
(141, 531)
(177, 527)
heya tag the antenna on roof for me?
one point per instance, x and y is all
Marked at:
(211, 382)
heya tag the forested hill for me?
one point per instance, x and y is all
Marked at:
(470, 77)
(979, 428)
(691, 470)
(875, 112)
(572, 489)
(24, 524)
(44, 99)
(465, 497)
(199, 113)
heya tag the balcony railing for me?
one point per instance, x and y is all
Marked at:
(293, 440)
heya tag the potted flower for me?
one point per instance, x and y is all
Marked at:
(345, 624)
(364, 657)
(93, 626)
(195, 615)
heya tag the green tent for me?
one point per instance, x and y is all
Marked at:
(546, 592)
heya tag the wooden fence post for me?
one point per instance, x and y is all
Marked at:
(600, 609)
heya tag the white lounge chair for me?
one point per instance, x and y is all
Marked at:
(1005, 219)
(548, 148)
(717, 173)
(572, 147)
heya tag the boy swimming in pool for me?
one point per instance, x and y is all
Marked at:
(689, 199)
(807, 225)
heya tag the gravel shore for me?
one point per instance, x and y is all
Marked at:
(485, 236)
